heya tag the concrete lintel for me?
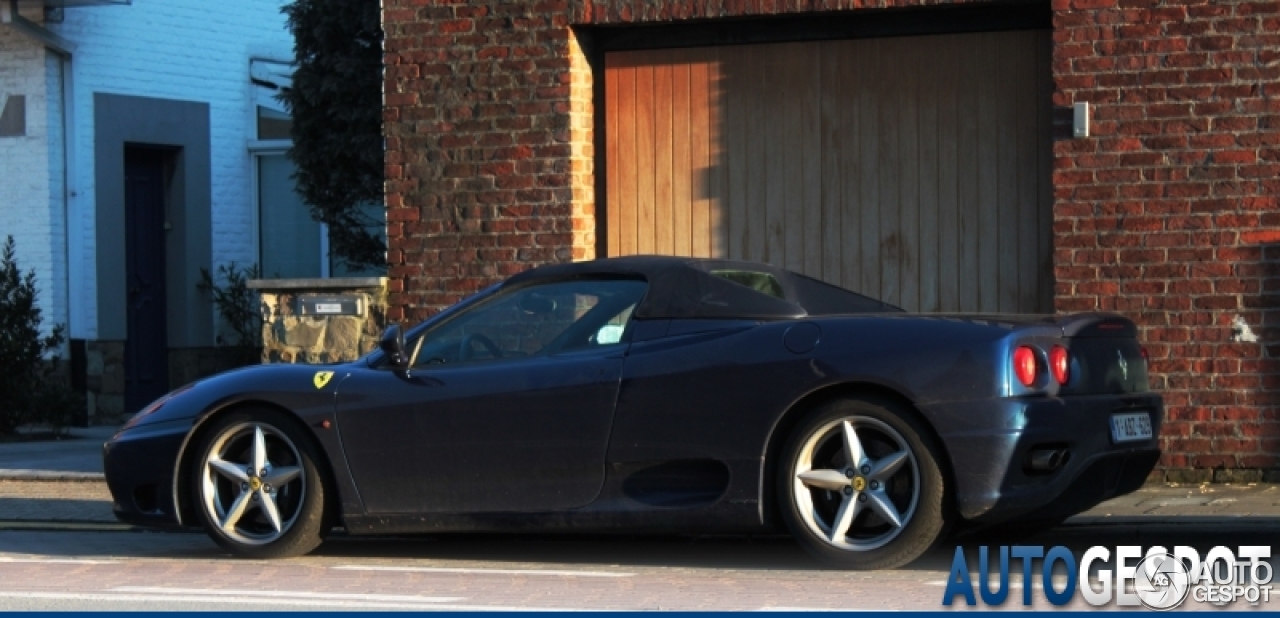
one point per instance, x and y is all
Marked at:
(343, 283)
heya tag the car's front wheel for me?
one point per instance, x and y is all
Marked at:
(860, 485)
(257, 487)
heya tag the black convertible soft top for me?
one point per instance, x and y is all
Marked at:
(683, 287)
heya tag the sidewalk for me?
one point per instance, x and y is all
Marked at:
(62, 482)
(56, 481)
(78, 459)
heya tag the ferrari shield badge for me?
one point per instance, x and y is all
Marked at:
(321, 378)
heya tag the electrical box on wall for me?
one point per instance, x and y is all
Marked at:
(1080, 120)
(320, 306)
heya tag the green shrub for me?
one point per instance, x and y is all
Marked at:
(31, 388)
(238, 306)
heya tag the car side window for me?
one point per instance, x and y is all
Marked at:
(533, 321)
(758, 281)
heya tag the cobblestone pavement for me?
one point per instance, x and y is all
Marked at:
(91, 502)
(143, 570)
(46, 563)
(86, 501)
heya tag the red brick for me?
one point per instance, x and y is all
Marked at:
(1261, 236)
(1164, 214)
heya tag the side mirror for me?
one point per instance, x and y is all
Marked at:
(392, 344)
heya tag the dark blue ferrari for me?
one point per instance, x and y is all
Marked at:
(659, 394)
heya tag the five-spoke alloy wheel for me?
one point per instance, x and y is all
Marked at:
(860, 485)
(256, 485)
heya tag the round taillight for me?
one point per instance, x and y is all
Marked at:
(1146, 358)
(1060, 364)
(1024, 365)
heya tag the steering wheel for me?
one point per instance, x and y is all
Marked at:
(464, 349)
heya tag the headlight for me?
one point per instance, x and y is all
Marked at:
(155, 405)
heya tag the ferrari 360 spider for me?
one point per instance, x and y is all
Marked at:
(659, 394)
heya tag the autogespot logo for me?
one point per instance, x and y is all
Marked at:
(1157, 579)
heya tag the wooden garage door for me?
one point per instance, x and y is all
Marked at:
(913, 169)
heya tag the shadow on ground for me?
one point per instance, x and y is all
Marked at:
(714, 552)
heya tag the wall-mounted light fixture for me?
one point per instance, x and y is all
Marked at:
(1080, 120)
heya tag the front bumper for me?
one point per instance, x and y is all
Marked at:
(989, 443)
(139, 465)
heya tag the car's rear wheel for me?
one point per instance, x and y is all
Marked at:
(860, 485)
(257, 486)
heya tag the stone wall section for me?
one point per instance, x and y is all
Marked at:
(291, 337)
(104, 381)
(1168, 213)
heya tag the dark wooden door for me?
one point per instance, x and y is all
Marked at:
(146, 348)
(913, 169)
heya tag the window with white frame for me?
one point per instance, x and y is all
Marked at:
(290, 243)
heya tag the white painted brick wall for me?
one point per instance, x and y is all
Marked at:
(26, 204)
(192, 50)
(56, 182)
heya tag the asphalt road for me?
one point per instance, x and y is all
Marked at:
(49, 567)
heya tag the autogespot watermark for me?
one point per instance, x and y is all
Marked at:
(1126, 576)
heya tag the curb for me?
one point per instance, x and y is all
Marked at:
(51, 475)
(68, 526)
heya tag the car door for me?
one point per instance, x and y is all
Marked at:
(505, 407)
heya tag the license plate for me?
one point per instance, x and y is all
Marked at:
(1130, 427)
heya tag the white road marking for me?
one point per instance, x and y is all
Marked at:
(258, 602)
(467, 571)
(4, 559)
(288, 594)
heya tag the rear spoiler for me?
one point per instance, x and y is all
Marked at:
(1098, 325)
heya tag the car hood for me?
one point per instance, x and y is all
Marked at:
(288, 386)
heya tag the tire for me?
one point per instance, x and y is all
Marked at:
(223, 484)
(898, 475)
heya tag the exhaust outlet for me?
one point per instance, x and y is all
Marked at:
(1048, 460)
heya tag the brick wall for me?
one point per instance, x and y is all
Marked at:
(489, 146)
(1167, 214)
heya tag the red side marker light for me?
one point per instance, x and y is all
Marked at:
(1024, 365)
(1060, 363)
